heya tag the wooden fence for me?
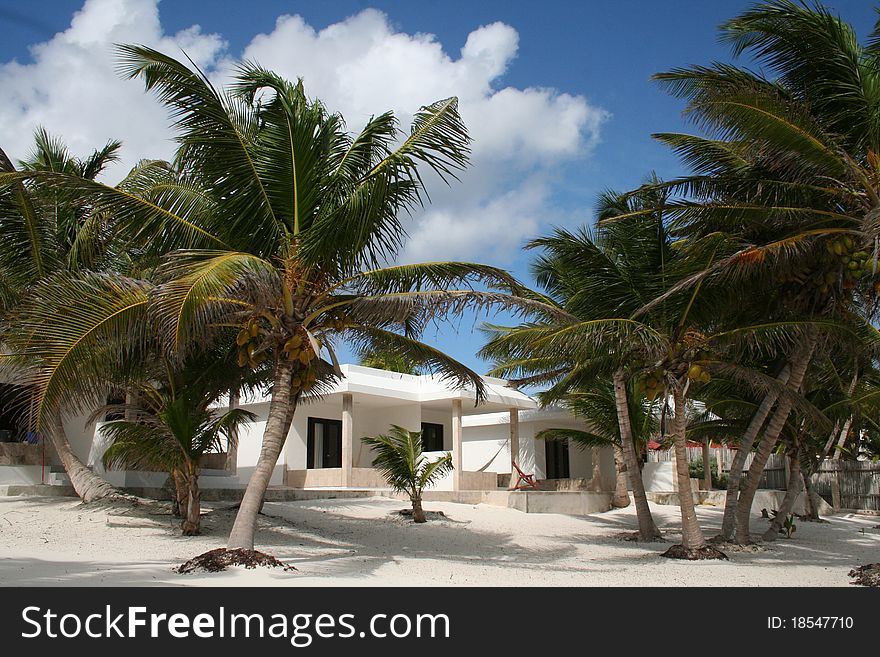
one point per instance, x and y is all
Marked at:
(773, 477)
(858, 482)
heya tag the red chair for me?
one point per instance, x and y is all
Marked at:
(524, 481)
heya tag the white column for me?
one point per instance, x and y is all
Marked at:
(514, 445)
(347, 437)
(232, 444)
(456, 444)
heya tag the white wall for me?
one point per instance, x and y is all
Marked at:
(250, 441)
(370, 422)
(367, 421)
(81, 436)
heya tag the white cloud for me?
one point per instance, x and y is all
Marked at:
(73, 89)
(359, 66)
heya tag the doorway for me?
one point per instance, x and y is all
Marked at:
(556, 453)
(324, 443)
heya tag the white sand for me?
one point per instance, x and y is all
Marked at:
(51, 541)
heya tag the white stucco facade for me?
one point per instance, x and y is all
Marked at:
(377, 399)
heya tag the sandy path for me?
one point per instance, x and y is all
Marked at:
(51, 541)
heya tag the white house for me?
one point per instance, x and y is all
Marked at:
(324, 447)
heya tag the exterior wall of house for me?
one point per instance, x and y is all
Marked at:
(81, 436)
(486, 441)
(380, 400)
(367, 421)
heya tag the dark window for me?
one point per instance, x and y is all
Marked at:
(556, 452)
(432, 437)
(115, 399)
(13, 424)
(324, 443)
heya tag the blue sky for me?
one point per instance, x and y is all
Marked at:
(578, 71)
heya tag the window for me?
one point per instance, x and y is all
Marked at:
(556, 452)
(432, 437)
(324, 443)
(115, 399)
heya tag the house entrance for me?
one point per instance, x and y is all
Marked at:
(324, 443)
(556, 453)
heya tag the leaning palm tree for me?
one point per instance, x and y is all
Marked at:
(784, 183)
(399, 457)
(47, 233)
(597, 280)
(277, 225)
(631, 320)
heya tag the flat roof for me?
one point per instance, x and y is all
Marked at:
(384, 388)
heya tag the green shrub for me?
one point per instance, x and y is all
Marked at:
(696, 471)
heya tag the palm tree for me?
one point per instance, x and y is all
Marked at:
(597, 407)
(47, 233)
(388, 361)
(399, 458)
(598, 280)
(276, 226)
(784, 185)
(176, 424)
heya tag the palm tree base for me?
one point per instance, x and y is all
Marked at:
(215, 561)
(189, 529)
(867, 575)
(636, 537)
(621, 502)
(428, 515)
(694, 554)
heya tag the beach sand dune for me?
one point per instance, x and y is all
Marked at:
(363, 542)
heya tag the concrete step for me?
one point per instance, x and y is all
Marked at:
(58, 479)
(36, 490)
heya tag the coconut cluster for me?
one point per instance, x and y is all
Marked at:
(248, 341)
(841, 262)
(652, 384)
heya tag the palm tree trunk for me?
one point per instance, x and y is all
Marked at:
(812, 497)
(795, 482)
(178, 506)
(707, 466)
(647, 529)
(621, 493)
(799, 365)
(744, 448)
(418, 512)
(691, 535)
(87, 484)
(596, 476)
(192, 523)
(281, 410)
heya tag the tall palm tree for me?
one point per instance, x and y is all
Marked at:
(47, 233)
(277, 225)
(598, 280)
(399, 457)
(784, 183)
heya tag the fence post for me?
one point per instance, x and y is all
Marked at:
(835, 484)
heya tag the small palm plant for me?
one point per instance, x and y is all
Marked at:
(173, 432)
(400, 459)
